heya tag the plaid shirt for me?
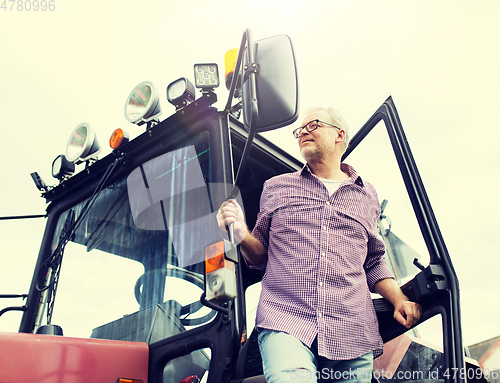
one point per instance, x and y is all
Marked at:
(324, 257)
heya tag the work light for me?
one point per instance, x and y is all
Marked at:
(180, 93)
(206, 76)
(142, 104)
(62, 168)
(82, 144)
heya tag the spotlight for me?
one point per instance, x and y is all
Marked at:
(180, 93)
(62, 168)
(82, 144)
(142, 104)
(206, 76)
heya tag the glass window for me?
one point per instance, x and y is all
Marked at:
(192, 367)
(132, 270)
(375, 161)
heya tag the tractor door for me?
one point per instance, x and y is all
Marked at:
(416, 251)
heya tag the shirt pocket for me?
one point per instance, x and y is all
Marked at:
(295, 215)
(295, 230)
(359, 208)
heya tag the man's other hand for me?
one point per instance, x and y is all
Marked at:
(407, 313)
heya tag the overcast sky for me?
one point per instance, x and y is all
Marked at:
(440, 61)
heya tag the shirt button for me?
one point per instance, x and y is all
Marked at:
(324, 227)
(321, 284)
(328, 202)
(319, 315)
(324, 254)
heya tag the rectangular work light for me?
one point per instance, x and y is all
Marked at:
(206, 76)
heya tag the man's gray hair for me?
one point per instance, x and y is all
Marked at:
(336, 119)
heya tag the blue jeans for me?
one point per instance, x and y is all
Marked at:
(287, 359)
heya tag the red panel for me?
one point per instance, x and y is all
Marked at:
(394, 352)
(58, 359)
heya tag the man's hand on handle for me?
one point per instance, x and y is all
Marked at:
(231, 212)
(406, 312)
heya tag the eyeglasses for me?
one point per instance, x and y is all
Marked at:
(310, 126)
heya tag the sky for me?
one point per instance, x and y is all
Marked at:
(439, 60)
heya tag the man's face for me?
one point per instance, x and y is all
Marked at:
(320, 143)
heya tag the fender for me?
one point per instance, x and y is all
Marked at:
(50, 358)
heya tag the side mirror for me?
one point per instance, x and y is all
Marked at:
(269, 91)
(270, 101)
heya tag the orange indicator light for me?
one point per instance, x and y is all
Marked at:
(118, 137)
(214, 257)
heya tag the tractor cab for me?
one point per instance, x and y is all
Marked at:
(135, 281)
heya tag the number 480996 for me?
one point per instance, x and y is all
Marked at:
(28, 5)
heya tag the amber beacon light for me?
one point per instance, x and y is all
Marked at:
(118, 138)
(230, 63)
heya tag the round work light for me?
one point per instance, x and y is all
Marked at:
(62, 168)
(142, 104)
(82, 144)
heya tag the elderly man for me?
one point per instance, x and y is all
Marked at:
(316, 237)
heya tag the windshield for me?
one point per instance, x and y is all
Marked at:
(133, 269)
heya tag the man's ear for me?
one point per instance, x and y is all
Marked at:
(340, 136)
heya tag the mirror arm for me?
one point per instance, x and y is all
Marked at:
(232, 88)
(254, 67)
(250, 70)
(244, 157)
